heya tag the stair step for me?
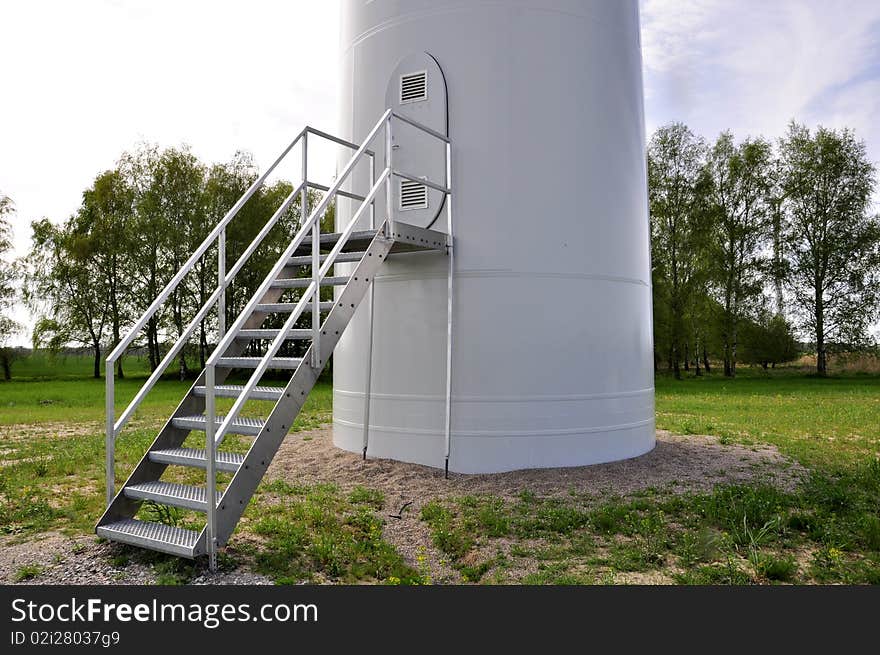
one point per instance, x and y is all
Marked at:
(247, 426)
(155, 536)
(234, 391)
(285, 363)
(288, 307)
(341, 258)
(271, 334)
(303, 282)
(196, 458)
(170, 493)
(330, 238)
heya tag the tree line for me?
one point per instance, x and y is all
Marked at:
(89, 279)
(754, 242)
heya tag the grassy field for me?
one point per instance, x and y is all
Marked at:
(826, 530)
(829, 422)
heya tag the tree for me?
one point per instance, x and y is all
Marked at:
(148, 270)
(769, 340)
(175, 196)
(65, 290)
(738, 189)
(8, 283)
(105, 219)
(676, 182)
(832, 243)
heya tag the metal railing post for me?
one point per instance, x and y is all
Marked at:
(210, 472)
(389, 192)
(316, 262)
(449, 282)
(221, 282)
(110, 436)
(370, 300)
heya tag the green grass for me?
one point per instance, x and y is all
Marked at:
(827, 531)
(316, 533)
(831, 422)
(27, 572)
(82, 400)
(40, 365)
(52, 469)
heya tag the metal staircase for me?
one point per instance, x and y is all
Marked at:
(362, 254)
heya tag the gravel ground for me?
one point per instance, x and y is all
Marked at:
(678, 464)
(83, 560)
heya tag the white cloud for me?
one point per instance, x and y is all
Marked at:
(80, 82)
(752, 66)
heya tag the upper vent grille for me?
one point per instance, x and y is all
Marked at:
(414, 87)
(413, 195)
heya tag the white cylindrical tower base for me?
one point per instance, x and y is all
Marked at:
(553, 354)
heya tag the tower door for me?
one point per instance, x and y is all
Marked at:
(417, 89)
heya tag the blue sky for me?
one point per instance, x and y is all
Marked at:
(83, 81)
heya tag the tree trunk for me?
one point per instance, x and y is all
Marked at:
(733, 350)
(151, 339)
(821, 363)
(706, 360)
(114, 314)
(778, 257)
(96, 346)
(203, 346)
(7, 369)
(687, 357)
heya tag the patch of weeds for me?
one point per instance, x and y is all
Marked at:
(25, 510)
(173, 571)
(609, 519)
(558, 573)
(627, 556)
(317, 532)
(284, 488)
(870, 528)
(475, 572)
(491, 517)
(549, 516)
(120, 560)
(27, 572)
(447, 536)
(226, 561)
(164, 514)
(728, 573)
(771, 567)
(698, 546)
(745, 512)
(363, 496)
(423, 566)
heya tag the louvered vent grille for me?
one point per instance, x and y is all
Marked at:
(413, 195)
(414, 87)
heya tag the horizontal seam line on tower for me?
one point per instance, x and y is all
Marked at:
(497, 399)
(492, 434)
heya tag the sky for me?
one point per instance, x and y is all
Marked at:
(81, 82)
